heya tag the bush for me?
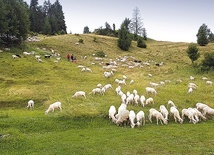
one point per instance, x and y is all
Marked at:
(141, 43)
(81, 40)
(100, 54)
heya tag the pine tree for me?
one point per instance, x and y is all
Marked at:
(124, 41)
(202, 35)
(86, 29)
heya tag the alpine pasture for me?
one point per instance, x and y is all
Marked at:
(83, 125)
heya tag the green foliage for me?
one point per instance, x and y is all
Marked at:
(208, 62)
(100, 54)
(141, 43)
(202, 35)
(124, 40)
(193, 52)
(86, 29)
(81, 40)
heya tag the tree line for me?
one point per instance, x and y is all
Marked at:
(18, 19)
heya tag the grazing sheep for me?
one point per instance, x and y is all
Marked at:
(164, 111)
(99, 85)
(111, 113)
(122, 82)
(209, 82)
(204, 78)
(192, 85)
(154, 113)
(130, 99)
(150, 100)
(171, 103)
(85, 69)
(196, 114)
(123, 117)
(200, 106)
(189, 114)
(14, 56)
(190, 90)
(117, 90)
(208, 111)
(95, 91)
(132, 117)
(30, 104)
(131, 82)
(151, 90)
(122, 106)
(136, 98)
(79, 93)
(108, 74)
(53, 106)
(191, 78)
(142, 100)
(153, 84)
(123, 98)
(174, 111)
(140, 117)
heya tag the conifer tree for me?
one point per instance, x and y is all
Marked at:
(202, 35)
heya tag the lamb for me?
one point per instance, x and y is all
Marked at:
(140, 117)
(154, 84)
(79, 93)
(196, 114)
(142, 100)
(189, 114)
(122, 82)
(86, 69)
(164, 111)
(53, 106)
(174, 111)
(122, 107)
(111, 113)
(151, 90)
(150, 100)
(132, 117)
(154, 113)
(30, 104)
(122, 116)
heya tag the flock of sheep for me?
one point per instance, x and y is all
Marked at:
(123, 115)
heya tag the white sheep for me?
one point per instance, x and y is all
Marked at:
(149, 100)
(122, 82)
(208, 111)
(30, 104)
(122, 107)
(122, 116)
(164, 111)
(111, 113)
(189, 114)
(174, 111)
(200, 106)
(108, 74)
(131, 82)
(191, 78)
(140, 117)
(142, 100)
(136, 98)
(154, 113)
(153, 84)
(123, 98)
(132, 117)
(79, 93)
(171, 103)
(117, 90)
(95, 91)
(209, 82)
(190, 90)
(53, 106)
(192, 85)
(130, 99)
(151, 90)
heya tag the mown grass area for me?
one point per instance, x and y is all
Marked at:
(83, 126)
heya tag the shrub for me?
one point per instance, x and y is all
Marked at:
(100, 54)
(141, 43)
(80, 40)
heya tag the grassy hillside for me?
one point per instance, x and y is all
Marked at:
(83, 126)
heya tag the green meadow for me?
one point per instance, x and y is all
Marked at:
(83, 126)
